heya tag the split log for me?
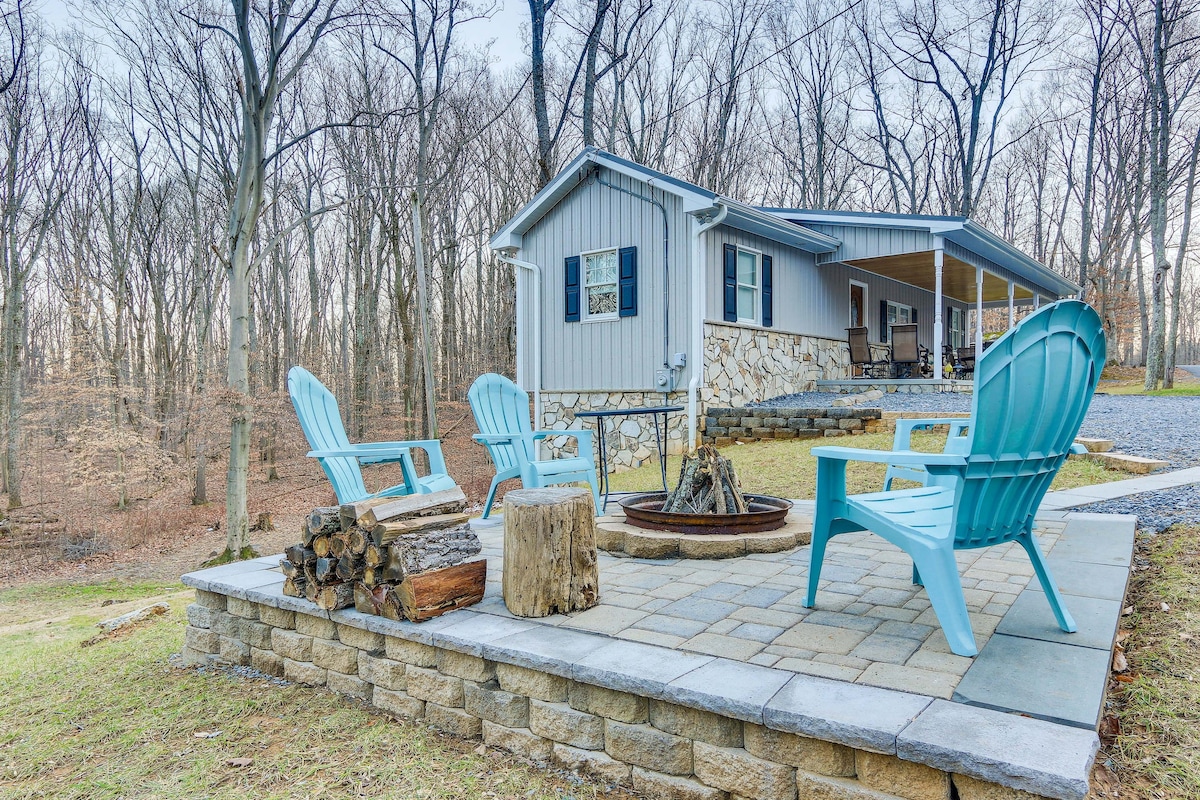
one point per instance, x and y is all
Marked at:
(337, 545)
(421, 552)
(357, 539)
(374, 555)
(348, 567)
(549, 551)
(294, 587)
(300, 555)
(321, 545)
(350, 513)
(289, 569)
(368, 576)
(387, 532)
(431, 594)
(393, 568)
(708, 484)
(389, 604)
(311, 588)
(326, 570)
(447, 501)
(365, 599)
(335, 596)
(322, 522)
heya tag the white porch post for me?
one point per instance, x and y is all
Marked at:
(1037, 301)
(938, 256)
(1012, 311)
(978, 313)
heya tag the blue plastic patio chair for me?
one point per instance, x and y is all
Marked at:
(956, 442)
(1032, 390)
(501, 410)
(317, 410)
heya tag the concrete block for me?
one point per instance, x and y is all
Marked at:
(382, 671)
(703, 726)
(415, 653)
(648, 747)
(461, 665)
(590, 762)
(202, 640)
(267, 662)
(610, 538)
(672, 787)
(633, 667)
(234, 651)
(350, 685)
(821, 787)
(317, 627)
(729, 688)
(335, 656)
(276, 617)
(711, 546)
(652, 544)
(199, 616)
(453, 720)
(521, 741)
(1039, 757)
(975, 789)
(196, 658)
(227, 624)
(400, 704)
(1095, 445)
(241, 608)
(560, 722)
(488, 701)
(902, 778)
(367, 641)
(291, 644)
(736, 771)
(621, 706)
(256, 634)
(802, 752)
(303, 672)
(433, 686)
(531, 683)
(210, 600)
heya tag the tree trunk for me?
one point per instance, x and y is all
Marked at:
(549, 552)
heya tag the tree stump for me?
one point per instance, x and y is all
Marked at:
(549, 551)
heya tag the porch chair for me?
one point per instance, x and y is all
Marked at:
(501, 411)
(1032, 391)
(964, 362)
(908, 356)
(317, 410)
(860, 355)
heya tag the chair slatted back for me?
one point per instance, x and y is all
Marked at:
(321, 421)
(904, 344)
(1032, 391)
(860, 351)
(500, 406)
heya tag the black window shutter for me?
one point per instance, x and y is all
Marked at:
(572, 288)
(883, 331)
(767, 300)
(627, 281)
(730, 283)
(914, 315)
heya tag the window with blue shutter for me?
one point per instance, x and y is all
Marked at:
(572, 288)
(767, 299)
(883, 321)
(627, 281)
(730, 282)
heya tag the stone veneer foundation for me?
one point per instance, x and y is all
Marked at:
(668, 723)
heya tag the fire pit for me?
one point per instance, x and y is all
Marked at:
(764, 513)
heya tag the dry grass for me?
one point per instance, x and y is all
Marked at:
(787, 468)
(1132, 380)
(1156, 749)
(115, 720)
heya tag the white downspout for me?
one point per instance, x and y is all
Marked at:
(699, 273)
(537, 331)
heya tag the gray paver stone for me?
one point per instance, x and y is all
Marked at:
(590, 762)
(415, 653)
(1030, 616)
(700, 609)
(350, 685)
(199, 616)
(303, 672)
(335, 656)
(621, 706)
(433, 686)
(560, 722)
(728, 688)
(267, 662)
(291, 644)
(488, 701)
(368, 641)
(453, 720)
(234, 651)
(672, 787)
(400, 704)
(382, 671)
(531, 683)
(545, 648)
(467, 667)
(735, 770)
(802, 752)
(633, 667)
(648, 747)
(521, 741)
(693, 723)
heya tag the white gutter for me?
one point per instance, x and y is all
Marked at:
(537, 331)
(698, 286)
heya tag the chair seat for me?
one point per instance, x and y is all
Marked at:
(926, 513)
(561, 466)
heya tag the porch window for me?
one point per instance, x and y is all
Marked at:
(600, 284)
(747, 285)
(898, 314)
(957, 328)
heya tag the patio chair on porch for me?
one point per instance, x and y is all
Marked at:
(317, 410)
(909, 358)
(964, 362)
(501, 410)
(860, 355)
(1032, 391)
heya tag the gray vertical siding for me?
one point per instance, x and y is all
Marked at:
(620, 354)
(867, 242)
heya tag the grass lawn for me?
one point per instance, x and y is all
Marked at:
(116, 720)
(1156, 748)
(787, 468)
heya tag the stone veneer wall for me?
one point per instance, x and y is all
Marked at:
(724, 426)
(661, 749)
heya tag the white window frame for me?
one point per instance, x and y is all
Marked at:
(866, 303)
(757, 304)
(958, 335)
(585, 307)
(897, 306)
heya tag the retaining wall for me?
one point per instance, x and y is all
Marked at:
(724, 426)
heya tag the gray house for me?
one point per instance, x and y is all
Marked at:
(634, 287)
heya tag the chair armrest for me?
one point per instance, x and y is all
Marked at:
(584, 438)
(905, 427)
(898, 457)
(1078, 449)
(393, 453)
(497, 438)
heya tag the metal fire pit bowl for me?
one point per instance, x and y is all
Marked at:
(766, 514)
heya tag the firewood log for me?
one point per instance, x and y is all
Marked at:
(368, 577)
(374, 555)
(356, 540)
(310, 590)
(447, 501)
(364, 599)
(431, 594)
(294, 586)
(389, 602)
(321, 522)
(299, 555)
(393, 568)
(348, 567)
(350, 513)
(337, 545)
(321, 545)
(335, 596)
(387, 532)
(289, 569)
(421, 552)
(326, 570)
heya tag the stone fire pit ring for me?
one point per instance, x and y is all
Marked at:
(765, 514)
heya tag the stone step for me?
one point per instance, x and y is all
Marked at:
(1095, 445)
(1127, 463)
(856, 399)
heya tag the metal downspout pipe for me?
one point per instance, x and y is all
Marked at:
(699, 273)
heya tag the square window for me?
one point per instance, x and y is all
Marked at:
(747, 285)
(600, 283)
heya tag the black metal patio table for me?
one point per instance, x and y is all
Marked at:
(660, 433)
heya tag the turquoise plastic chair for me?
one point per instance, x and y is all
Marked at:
(501, 410)
(321, 421)
(1032, 390)
(956, 442)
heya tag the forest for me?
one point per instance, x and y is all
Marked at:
(196, 196)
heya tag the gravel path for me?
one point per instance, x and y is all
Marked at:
(1166, 428)
(1156, 511)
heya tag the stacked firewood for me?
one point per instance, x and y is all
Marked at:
(400, 557)
(707, 485)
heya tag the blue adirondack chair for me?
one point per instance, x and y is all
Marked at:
(501, 410)
(956, 442)
(1032, 390)
(321, 421)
